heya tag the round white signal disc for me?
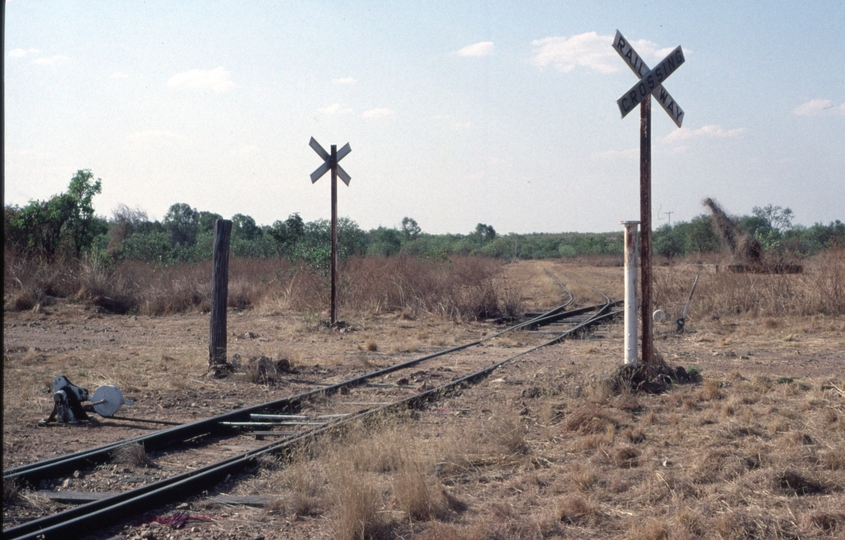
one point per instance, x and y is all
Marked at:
(107, 400)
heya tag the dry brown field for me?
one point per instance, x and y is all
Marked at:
(543, 448)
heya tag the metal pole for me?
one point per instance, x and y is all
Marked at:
(645, 226)
(334, 235)
(631, 292)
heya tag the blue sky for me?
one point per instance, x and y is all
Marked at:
(457, 113)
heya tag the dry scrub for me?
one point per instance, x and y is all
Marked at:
(729, 458)
(820, 289)
(461, 288)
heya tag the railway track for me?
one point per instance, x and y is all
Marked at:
(281, 425)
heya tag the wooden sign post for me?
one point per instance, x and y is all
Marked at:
(330, 164)
(219, 293)
(650, 84)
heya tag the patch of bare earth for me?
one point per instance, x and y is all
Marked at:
(543, 448)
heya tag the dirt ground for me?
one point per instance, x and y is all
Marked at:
(780, 379)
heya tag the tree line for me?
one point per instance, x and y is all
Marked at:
(66, 224)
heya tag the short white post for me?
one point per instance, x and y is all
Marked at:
(631, 292)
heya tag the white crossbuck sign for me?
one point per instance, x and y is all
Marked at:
(651, 80)
(327, 158)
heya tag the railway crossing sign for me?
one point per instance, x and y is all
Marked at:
(330, 162)
(650, 84)
(651, 80)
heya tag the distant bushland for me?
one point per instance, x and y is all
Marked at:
(65, 226)
(128, 263)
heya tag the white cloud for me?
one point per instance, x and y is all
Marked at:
(588, 50)
(334, 109)
(119, 75)
(483, 48)
(648, 50)
(20, 53)
(216, 79)
(818, 107)
(50, 60)
(154, 136)
(377, 113)
(710, 132)
(345, 80)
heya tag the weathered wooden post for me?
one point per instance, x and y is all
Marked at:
(333, 316)
(219, 292)
(330, 164)
(645, 229)
(650, 84)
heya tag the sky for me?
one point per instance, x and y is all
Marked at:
(457, 112)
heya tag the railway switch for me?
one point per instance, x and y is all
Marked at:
(68, 401)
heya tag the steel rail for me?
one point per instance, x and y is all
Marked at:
(559, 282)
(98, 514)
(61, 465)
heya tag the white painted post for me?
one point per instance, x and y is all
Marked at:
(631, 292)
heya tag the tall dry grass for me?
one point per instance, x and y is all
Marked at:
(462, 288)
(819, 289)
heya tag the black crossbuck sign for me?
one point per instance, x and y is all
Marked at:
(651, 80)
(329, 163)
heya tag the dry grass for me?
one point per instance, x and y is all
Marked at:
(462, 288)
(414, 490)
(11, 491)
(265, 370)
(355, 502)
(630, 466)
(133, 454)
(752, 451)
(818, 290)
(576, 510)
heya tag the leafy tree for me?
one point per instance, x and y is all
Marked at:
(667, 241)
(124, 223)
(153, 246)
(775, 217)
(182, 222)
(206, 220)
(315, 245)
(827, 236)
(410, 229)
(259, 247)
(485, 233)
(82, 226)
(288, 234)
(385, 242)
(66, 219)
(700, 236)
(503, 247)
(351, 240)
(772, 222)
(12, 235)
(244, 227)
(565, 250)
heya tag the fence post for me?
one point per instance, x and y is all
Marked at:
(219, 292)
